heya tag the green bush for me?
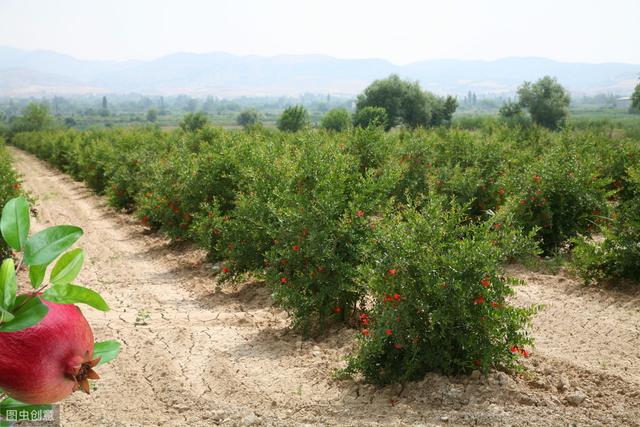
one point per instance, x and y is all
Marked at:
(337, 120)
(439, 301)
(10, 187)
(559, 194)
(617, 254)
(293, 119)
(371, 116)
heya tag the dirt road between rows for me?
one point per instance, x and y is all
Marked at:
(194, 355)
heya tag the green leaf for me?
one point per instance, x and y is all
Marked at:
(30, 311)
(14, 224)
(45, 246)
(8, 286)
(10, 404)
(73, 294)
(36, 275)
(5, 316)
(67, 268)
(106, 350)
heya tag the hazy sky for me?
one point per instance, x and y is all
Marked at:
(401, 31)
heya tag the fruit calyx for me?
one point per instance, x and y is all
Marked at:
(81, 371)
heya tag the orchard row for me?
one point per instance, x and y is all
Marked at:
(400, 234)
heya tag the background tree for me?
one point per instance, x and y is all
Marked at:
(635, 99)
(293, 119)
(370, 116)
(442, 109)
(337, 119)
(34, 117)
(511, 113)
(192, 122)
(406, 103)
(248, 118)
(152, 115)
(104, 111)
(546, 100)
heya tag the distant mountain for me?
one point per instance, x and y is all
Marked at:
(39, 72)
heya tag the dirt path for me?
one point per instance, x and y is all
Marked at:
(194, 356)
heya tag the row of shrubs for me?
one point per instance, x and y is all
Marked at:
(401, 234)
(10, 187)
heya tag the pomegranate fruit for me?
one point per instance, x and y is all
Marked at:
(47, 362)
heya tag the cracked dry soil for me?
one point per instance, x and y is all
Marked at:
(195, 356)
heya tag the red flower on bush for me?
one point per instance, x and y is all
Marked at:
(365, 332)
(337, 310)
(515, 349)
(364, 319)
(225, 270)
(388, 331)
(283, 280)
(392, 271)
(396, 297)
(485, 282)
(494, 304)
(478, 301)
(360, 214)
(296, 247)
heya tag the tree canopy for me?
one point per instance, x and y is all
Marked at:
(337, 119)
(248, 118)
(293, 119)
(405, 103)
(546, 100)
(193, 122)
(635, 99)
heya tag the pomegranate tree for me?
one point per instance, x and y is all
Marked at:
(47, 348)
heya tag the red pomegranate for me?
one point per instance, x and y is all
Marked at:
(47, 362)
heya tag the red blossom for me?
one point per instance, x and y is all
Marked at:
(392, 271)
(337, 310)
(296, 247)
(478, 301)
(225, 270)
(494, 304)
(515, 349)
(396, 297)
(485, 282)
(360, 214)
(365, 332)
(283, 280)
(388, 331)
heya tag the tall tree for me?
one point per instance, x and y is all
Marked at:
(406, 103)
(546, 100)
(635, 99)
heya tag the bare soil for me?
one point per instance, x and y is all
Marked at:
(196, 356)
